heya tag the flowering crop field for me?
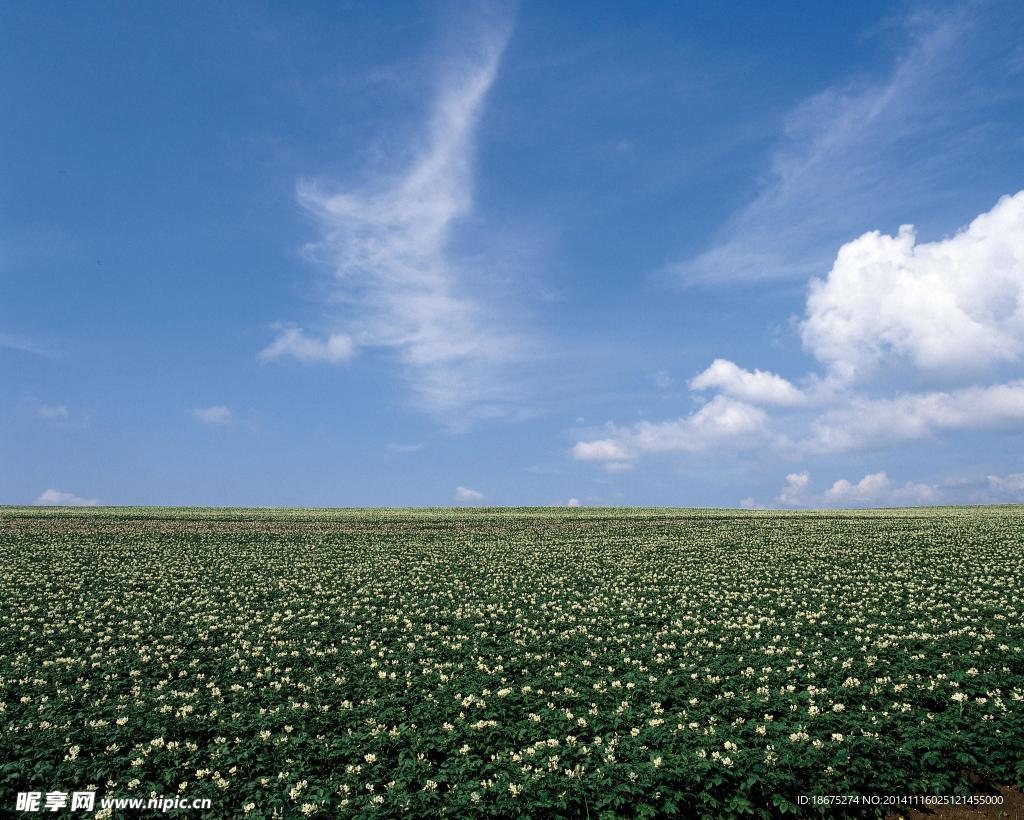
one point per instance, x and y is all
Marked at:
(511, 662)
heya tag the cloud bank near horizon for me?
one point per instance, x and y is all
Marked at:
(947, 316)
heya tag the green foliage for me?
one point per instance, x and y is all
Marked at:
(511, 663)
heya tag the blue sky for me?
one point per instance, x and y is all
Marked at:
(345, 254)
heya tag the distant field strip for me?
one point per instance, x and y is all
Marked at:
(510, 662)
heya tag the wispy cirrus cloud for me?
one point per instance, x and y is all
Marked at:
(20, 344)
(388, 244)
(863, 151)
(397, 448)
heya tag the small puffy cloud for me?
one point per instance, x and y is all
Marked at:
(758, 387)
(601, 450)
(215, 414)
(573, 502)
(722, 420)
(57, 498)
(1007, 486)
(877, 489)
(873, 490)
(61, 416)
(954, 307)
(794, 491)
(53, 412)
(468, 495)
(292, 342)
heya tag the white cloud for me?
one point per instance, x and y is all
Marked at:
(401, 449)
(863, 423)
(759, 387)
(877, 489)
(722, 420)
(10, 341)
(1011, 485)
(573, 502)
(874, 489)
(943, 320)
(53, 412)
(388, 245)
(56, 498)
(215, 414)
(794, 491)
(860, 151)
(600, 450)
(893, 310)
(292, 342)
(951, 307)
(466, 494)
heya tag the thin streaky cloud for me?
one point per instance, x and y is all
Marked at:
(397, 448)
(853, 155)
(388, 247)
(52, 412)
(216, 414)
(10, 341)
(864, 423)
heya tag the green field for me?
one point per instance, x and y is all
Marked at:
(511, 662)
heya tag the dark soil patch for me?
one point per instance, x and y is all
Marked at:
(1012, 808)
